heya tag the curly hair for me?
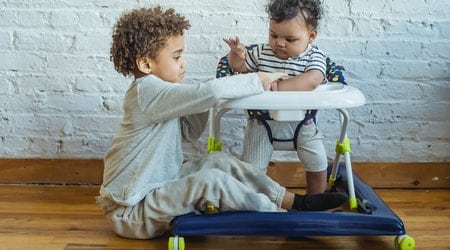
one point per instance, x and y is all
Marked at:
(142, 33)
(309, 10)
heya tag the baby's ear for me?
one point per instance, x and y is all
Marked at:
(144, 65)
(312, 35)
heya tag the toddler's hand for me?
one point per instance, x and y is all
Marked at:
(236, 46)
(268, 79)
(274, 86)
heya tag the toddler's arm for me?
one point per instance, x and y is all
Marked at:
(236, 57)
(269, 81)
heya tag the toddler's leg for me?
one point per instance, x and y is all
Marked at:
(257, 147)
(260, 183)
(312, 154)
(205, 187)
(152, 216)
(242, 171)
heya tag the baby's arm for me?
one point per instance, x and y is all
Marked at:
(303, 82)
(236, 57)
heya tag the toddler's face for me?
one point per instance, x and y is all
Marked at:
(290, 38)
(170, 64)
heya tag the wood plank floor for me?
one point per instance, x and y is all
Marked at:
(66, 217)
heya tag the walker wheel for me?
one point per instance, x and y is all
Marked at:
(404, 242)
(176, 243)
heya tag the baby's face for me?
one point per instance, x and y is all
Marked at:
(290, 38)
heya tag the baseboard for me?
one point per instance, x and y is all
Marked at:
(51, 171)
(289, 174)
(376, 174)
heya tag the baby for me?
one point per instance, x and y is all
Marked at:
(293, 29)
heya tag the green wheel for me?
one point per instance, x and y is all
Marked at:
(404, 242)
(176, 243)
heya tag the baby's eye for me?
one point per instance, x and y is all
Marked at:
(290, 40)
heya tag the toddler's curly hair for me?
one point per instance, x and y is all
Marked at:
(309, 10)
(142, 33)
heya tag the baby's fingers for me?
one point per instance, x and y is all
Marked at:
(237, 40)
(227, 41)
(230, 41)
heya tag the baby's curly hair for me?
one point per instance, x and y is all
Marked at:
(309, 10)
(142, 33)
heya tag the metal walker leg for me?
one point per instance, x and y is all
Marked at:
(343, 148)
(214, 141)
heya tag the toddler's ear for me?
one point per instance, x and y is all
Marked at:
(144, 65)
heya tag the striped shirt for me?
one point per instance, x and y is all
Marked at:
(261, 57)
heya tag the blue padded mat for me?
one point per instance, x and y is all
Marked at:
(375, 219)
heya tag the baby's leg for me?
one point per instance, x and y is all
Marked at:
(312, 154)
(257, 147)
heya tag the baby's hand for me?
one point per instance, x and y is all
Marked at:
(236, 46)
(268, 79)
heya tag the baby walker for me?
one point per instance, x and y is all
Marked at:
(369, 215)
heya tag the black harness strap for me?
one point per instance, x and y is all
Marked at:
(262, 117)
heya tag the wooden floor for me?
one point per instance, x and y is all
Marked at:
(66, 217)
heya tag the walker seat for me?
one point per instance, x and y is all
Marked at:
(303, 116)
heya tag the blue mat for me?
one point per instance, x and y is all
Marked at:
(374, 218)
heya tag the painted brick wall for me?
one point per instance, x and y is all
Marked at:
(61, 98)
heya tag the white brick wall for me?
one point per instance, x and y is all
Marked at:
(61, 98)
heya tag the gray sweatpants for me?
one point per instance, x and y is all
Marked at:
(216, 179)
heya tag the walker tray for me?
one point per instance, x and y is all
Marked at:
(325, 96)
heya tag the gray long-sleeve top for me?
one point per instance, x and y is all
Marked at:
(147, 151)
